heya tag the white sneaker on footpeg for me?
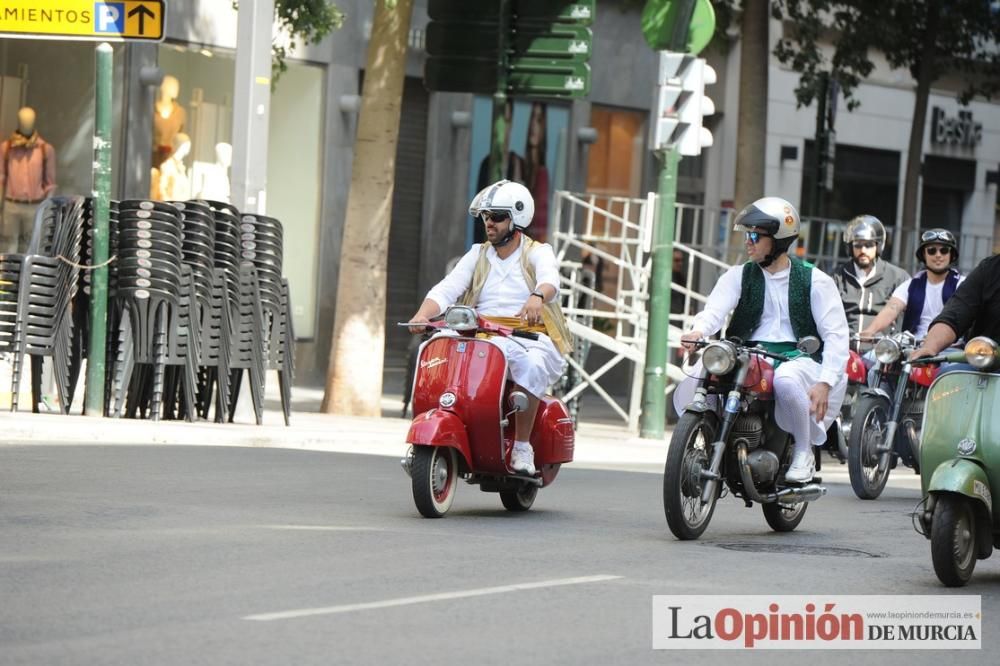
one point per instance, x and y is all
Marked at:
(803, 467)
(522, 459)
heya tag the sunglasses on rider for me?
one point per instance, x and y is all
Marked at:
(863, 245)
(934, 249)
(755, 236)
(494, 215)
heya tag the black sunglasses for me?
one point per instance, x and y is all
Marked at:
(858, 245)
(755, 236)
(933, 250)
(494, 215)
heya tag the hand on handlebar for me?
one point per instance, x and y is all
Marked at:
(920, 352)
(418, 319)
(688, 340)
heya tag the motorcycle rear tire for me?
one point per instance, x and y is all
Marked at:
(519, 500)
(680, 484)
(953, 540)
(784, 517)
(859, 450)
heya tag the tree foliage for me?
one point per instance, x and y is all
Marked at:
(952, 36)
(306, 20)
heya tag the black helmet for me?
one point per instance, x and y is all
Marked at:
(941, 237)
(866, 228)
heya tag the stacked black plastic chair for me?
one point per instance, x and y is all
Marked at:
(44, 280)
(261, 240)
(156, 294)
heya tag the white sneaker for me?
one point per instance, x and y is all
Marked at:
(803, 467)
(522, 459)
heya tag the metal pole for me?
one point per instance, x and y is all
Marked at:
(102, 195)
(820, 149)
(252, 105)
(500, 128)
(654, 386)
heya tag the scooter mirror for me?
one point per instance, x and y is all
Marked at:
(808, 344)
(518, 401)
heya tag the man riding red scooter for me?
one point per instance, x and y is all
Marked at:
(513, 284)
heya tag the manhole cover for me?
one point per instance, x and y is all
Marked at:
(797, 549)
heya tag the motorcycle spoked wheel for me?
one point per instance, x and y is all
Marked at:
(520, 499)
(435, 478)
(784, 517)
(688, 454)
(953, 540)
(867, 434)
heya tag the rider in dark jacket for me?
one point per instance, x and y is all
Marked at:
(866, 281)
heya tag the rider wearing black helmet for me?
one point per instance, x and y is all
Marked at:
(922, 298)
(867, 280)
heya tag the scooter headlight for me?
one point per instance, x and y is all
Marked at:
(461, 318)
(719, 358)
(981, 352)
(887, 351)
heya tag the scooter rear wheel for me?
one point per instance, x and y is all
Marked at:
(520, 499)
(871, 417)
(435, 477)
(953, 540)
(689, 453)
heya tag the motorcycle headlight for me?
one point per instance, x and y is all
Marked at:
(887, 351)
(461, 318)
(981, 352)
(719, 358)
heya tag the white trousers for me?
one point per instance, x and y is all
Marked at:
(534, 364)
(792, 382)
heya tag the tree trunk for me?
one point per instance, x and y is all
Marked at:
(752, 118)
(925, 77)
(354, 373)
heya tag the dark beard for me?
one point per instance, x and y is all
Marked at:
(939, 272)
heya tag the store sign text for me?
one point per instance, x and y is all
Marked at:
(958, 131)
(83, 19)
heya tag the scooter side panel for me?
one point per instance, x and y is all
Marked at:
(552, 435)
(959, 412)
(474, 371)
(440, 427)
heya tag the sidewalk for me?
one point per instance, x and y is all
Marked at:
(602, 442)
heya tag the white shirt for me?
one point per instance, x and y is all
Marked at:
(933, 302)
(505, 290)
(775, 323)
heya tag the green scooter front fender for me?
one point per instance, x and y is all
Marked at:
(964, 477)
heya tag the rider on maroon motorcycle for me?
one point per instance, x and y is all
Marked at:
(511, 280)
(776, 300)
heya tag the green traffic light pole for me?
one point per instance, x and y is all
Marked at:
(102, 194)
(654, 386)
(500, 128)
(652, 424)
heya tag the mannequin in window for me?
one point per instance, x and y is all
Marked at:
(211, 181)
(27, 176)
(173, 183)
(536, 176)
(513, 168)
(168, 119)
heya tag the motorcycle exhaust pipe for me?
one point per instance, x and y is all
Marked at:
(807, 493)
(746, 476)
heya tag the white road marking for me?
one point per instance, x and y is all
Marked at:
(443, 596)
(321, 528)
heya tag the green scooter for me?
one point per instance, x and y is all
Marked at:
(960, 461)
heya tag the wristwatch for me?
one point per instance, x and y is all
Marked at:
(539, 294)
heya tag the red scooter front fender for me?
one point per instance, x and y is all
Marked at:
(439, 427)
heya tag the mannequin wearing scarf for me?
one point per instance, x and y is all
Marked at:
(27, 176)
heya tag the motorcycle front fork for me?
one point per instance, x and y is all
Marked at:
(729, 414)
(895, 410)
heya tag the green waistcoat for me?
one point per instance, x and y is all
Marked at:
(746, 316)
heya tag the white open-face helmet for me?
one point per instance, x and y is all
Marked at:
(505, 195)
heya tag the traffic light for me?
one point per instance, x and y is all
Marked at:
(682, 104)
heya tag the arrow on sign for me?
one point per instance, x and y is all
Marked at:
(143, 11)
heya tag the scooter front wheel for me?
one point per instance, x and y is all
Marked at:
(688, 455)
(435, 478)
(953, 540)
(871, 418)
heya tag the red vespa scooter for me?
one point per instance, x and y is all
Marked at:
(463, 400)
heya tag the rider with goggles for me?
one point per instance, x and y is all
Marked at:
(921, 298)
